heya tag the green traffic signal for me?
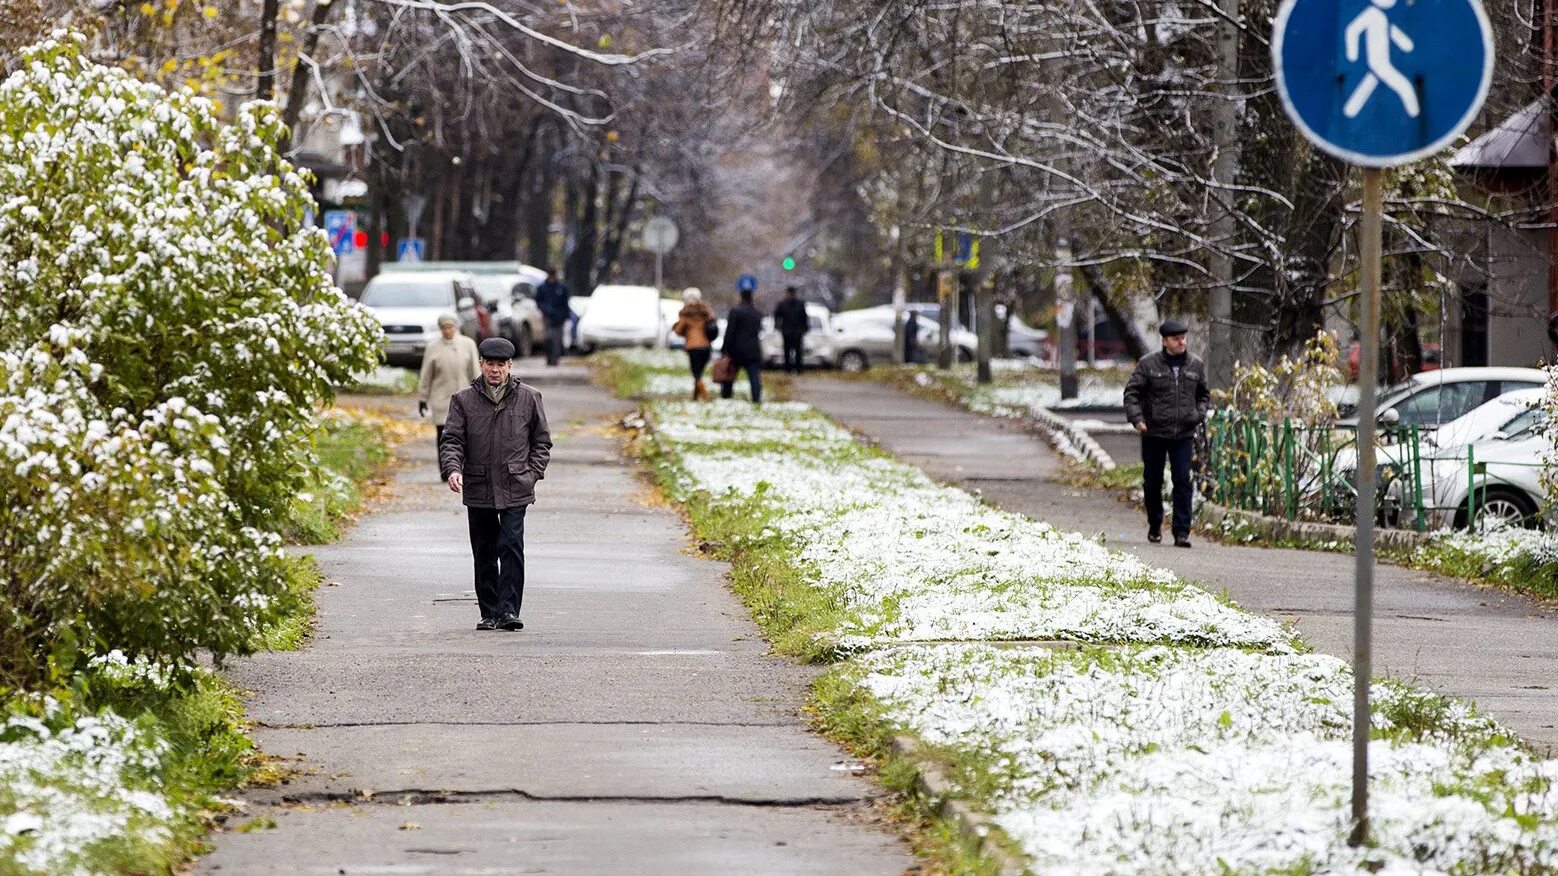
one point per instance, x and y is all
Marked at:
(789, 263)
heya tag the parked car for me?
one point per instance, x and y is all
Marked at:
(816, 345)
(506, 289)
(865, 337)
(408, 305)
(511, 300)
(1430, 398)
(1508, 466)
(671, 311)
(621, 316)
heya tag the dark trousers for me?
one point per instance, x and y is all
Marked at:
(794, 361)
(438, 442)
(498, 544)
(1176, 451)
(754, 371)
(699, 360)
(554, 343)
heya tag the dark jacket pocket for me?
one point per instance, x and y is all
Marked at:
(478, 484)
(523, 478)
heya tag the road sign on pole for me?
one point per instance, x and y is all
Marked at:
(409, 249)
(341, 227)
(746, 283)
(1378, 84)
(660, 237)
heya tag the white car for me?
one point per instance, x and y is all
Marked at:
(1505, 443)
(865, 337)
(1433, 397)
(511, 298)
(816, 344)
(408, 305)
(622, 316)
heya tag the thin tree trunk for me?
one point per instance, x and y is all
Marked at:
(1124, 325)
(265, 65)
(298, 90)
(611, 253)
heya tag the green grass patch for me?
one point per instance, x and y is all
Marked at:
(385, 380)
(350, 452)
(1524, 572)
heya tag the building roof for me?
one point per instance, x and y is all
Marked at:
(1520, 142)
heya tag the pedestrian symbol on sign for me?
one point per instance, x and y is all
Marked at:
(1374, 30)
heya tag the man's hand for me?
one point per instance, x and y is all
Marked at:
(1142, 427)
(456, 481)
(421, 409)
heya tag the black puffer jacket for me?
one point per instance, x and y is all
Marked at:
(1171, 404)
(743, 329)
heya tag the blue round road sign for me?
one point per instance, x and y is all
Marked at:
(1382, 82)
(746, 283)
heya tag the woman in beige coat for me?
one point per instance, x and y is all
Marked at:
(693, 324)
(448, 366)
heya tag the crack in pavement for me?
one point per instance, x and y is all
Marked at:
(425, 797)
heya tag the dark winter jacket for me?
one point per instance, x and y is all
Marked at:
(1171, 402)
(742, 329)
(790, 318)
(552, 301)
(500, 448)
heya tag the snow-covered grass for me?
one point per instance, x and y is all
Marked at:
(1191, 761)
(1160, 730)
(1526, 559)
(1016, 389)
(386, 380)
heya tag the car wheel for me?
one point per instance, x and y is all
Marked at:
(852, 361)
(1513, 508)
(965, 354)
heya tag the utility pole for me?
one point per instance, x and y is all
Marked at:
(1065, 313)
(946, 283)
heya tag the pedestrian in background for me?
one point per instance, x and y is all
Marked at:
(697, 325)
(911, 338)
(495, 448)
(742, 329)
(552, 301)
(448, 365)
(791, 321)
(1166, 398)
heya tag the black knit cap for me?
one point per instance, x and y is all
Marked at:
(1172, 327)
(497, 349)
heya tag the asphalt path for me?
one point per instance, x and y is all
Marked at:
(1488, 645)
(636, 725)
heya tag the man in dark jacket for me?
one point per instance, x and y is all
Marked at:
(496, 446)
(742, 328)
(1166, 399)
(791, 321)
(552, 301)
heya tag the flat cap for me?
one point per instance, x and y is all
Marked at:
(497, 348)
(1172, 327)
(447, 319)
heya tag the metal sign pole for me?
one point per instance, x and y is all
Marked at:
(1363, 607)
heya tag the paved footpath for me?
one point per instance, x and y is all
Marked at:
(636, 725)
(1495, 648)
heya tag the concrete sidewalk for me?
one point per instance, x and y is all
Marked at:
(636, 724)
(1495, 648)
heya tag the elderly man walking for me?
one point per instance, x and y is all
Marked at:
(495, 447)
(448, 365)
(1166, 398)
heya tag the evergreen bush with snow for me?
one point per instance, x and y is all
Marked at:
(169, 326)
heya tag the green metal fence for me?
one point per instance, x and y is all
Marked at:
(1302, 472)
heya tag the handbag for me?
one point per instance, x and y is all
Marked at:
(711, 328)
(724, 370)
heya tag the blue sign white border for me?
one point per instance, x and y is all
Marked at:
(1278, 37)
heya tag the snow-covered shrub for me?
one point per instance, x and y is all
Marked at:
(1550, 429)
(169, 326)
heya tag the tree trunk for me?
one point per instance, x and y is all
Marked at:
(265, 64)
(298, 90)
(541, 188)
(611, 253)
(584, 216)
(1124, 325)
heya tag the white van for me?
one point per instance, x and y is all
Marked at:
(622, 316)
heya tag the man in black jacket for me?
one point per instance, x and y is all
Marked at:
(743, 327)
(791, 321)
(1166, 399)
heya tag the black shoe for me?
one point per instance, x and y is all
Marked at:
(1182, 541)
(1154, 534)
(486, 623)
(510, 622)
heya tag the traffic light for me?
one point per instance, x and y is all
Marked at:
(789, 263)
